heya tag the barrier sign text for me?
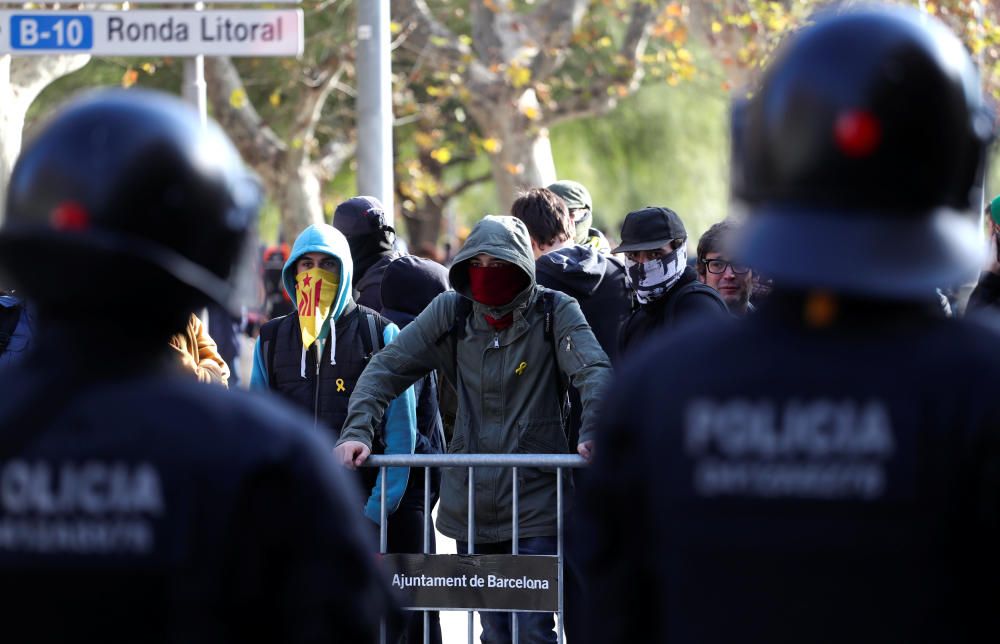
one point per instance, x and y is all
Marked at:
(504, 582)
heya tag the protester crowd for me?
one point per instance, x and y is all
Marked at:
(767, 418)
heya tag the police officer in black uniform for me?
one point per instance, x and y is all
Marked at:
(830, 470)
(136, 505)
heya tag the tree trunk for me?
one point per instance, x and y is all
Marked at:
(290, 173)
(531, 157)
(525, 157)
(299, 199)
(423, 225)
(21, 81)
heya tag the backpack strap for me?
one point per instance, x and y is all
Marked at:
(372, 336)
(690, 287)
(268, 332)
(549, 310)
(372, 340)
(463, 309)
(9, 317)
(547, 302)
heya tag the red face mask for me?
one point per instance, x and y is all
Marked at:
(496, 285)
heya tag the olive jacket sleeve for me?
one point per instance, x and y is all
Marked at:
(413, 354)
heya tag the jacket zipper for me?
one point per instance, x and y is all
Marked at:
(319, 363)
(496, 340)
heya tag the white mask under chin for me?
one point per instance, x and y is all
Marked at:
(654, 278)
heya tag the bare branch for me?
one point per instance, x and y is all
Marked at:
(425, 31)
(557, 20)
(486, 32)
(552, 26)
(29, 75)
(596, 99)
(260, 146)
(427, 37)
(343, 88)
(310, 108)
(333, 156)
(465, 185)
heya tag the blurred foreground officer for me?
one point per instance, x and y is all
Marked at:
(138, 505)
(828, 470)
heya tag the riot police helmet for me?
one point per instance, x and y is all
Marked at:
(126, 196)
(859, 153)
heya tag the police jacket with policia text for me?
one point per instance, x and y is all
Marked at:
(142, 506)
(508, 383)
(322, 383)
(848, 492)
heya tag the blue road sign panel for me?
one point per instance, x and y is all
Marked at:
(235, 32)
(49, 32)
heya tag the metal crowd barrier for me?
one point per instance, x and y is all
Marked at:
(472, 461)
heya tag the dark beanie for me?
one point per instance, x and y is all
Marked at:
(408, 286)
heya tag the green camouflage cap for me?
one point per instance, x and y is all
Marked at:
(574, 194)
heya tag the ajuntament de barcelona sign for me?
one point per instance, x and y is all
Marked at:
(183, 32)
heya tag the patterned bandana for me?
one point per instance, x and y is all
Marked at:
(315, 291)
(654, 278)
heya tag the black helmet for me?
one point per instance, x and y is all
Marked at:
(867, 134)
(126, 193)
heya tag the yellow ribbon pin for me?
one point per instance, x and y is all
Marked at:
(521, 368)
(340, 385)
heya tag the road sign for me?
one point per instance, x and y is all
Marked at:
(208, 2)
(153, 32)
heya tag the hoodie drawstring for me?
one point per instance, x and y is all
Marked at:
(319, 362)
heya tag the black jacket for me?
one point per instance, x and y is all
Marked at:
(697, 303)
(296, 381)
(142, 506)
(408, 285)
(599, 284)
(779, 483)
(368, 278)
(324, 392)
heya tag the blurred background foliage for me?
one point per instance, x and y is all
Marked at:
(660, 140)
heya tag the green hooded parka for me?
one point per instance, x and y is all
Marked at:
(508, 385)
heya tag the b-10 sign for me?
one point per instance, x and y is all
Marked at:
(153, 33)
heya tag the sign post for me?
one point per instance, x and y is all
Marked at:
(194, 89)
(375, 172)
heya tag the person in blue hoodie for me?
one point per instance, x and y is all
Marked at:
(298, 357)
(408, 286)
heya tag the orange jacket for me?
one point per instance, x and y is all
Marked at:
(198, 352)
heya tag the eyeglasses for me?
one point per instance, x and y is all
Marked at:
(718, 267)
